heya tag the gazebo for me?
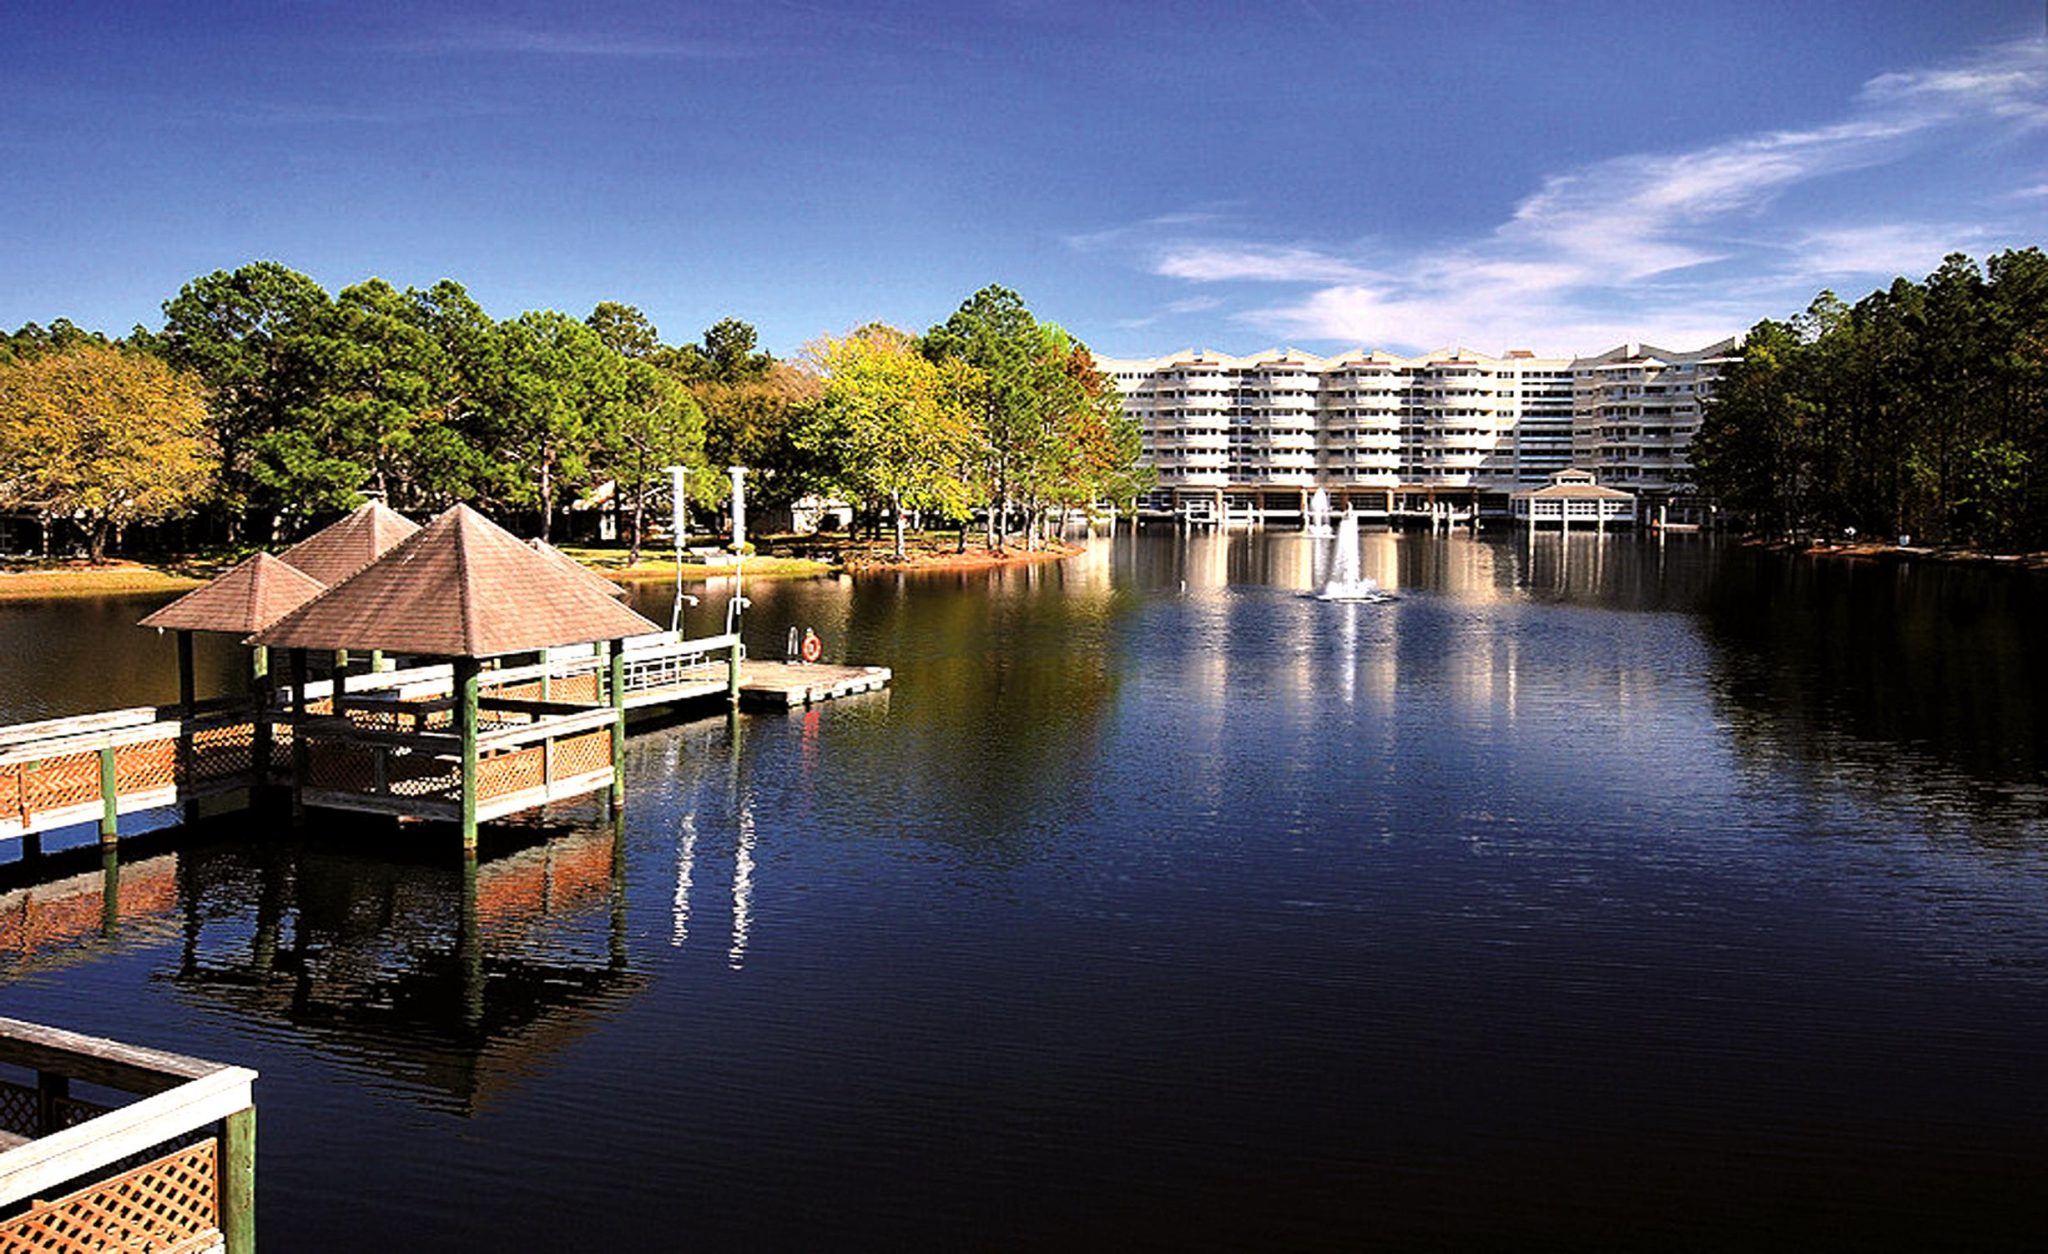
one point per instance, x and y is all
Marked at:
(345, 546)
(463, 589)
(1572, 496)
(247, 598)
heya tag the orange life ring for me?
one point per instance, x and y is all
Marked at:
(813, 647)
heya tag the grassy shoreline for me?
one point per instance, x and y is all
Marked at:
(1868, 552)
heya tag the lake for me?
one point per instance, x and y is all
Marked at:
(1597, 892)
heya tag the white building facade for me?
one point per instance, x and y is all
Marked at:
(1449, 431)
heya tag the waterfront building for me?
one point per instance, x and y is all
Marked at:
(1440, 434)
(1572, 497)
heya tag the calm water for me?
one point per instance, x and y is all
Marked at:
(1626, 895)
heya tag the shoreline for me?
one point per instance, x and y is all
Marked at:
(1892, 553)
(66, 580)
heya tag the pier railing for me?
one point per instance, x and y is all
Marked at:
(160, 1157)
(383, 741)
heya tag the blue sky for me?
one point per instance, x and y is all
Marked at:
(1555, 176)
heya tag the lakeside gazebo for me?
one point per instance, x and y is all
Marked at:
(1572, 496)
(465, 590)
(247, 598)
(352, 542)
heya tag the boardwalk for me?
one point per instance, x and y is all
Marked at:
(391, 749)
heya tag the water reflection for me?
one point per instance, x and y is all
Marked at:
(451, 977)
(1916, 686)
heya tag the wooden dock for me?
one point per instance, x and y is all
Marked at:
(388, 744)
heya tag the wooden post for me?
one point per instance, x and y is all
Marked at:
(338, 695)
(110, 797)
(469, 944)
(260, 735)
(301, 756)
(546, 678)
(187, 688)
(466, 669)
(376, 660)
(50, 1089)
(615, 652)
(238, 1181)
(110, 889)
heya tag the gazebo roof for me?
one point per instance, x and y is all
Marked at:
(252, 596)
(604, 585)
(461, 586)
(340, 549)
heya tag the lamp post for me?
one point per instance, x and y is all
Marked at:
(738, 603)
(679, 523)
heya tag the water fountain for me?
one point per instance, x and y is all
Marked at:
(1318, 521)
(1345, 582)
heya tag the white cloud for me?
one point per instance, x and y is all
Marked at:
(1885, 249)
(1205, 263)
(1675, 247)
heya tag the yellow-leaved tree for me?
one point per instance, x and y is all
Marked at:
(103, 436)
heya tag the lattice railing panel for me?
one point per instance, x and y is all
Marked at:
(72, 1111)
(19, 1109)
(512, 772)
(579, 755)
(10, 790)
(579, 688)
(146, 766)
(219, 752)
(341, 767)
(422, 775)
(53, 783)
(169, 1206)
(529, 691)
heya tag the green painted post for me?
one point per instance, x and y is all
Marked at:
(546, 680)
(186, 700)
(260, 734)
(466, 669)
(376, 660)
(51, 1088)
(301, 757)
(110, 797)
(110, 889)
(469, 945)
(238, 1181)
(732, 674)
(615, 651)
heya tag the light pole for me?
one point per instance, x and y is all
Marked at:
(738, 603)
(679, 522)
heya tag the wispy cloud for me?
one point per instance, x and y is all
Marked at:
(536, 41)
(1668, 246)
(1212, 263)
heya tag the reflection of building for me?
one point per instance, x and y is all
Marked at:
(1388, 434)
(452, 976)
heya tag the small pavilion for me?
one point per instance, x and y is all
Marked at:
(463, 589)
(1572, 496)
(345, 546)
(248, 598)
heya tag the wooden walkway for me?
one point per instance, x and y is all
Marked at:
(385, 742)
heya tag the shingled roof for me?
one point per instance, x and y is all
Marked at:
(335, 552)
(253, 595)
(604, 585)
(461, 586)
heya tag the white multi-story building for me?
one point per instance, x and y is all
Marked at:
(1255, 435)
(1636, 409)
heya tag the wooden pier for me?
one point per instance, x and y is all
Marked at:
(528, 710)
(171, 1169)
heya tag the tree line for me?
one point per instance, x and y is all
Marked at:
(264, 405)
(1920, 410)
